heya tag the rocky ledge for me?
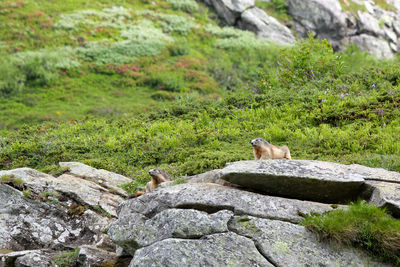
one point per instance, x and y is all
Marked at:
(371, 28)
(246, 214)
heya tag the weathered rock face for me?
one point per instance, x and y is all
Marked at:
(376, 30)
(299, 179)
(54, 214)
(257, 21)
(287, 244)
(203, 224)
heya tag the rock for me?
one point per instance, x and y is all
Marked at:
(264, 26)
(299, 179)
(375, 46)
(368, 24)
(213, 250)
(212, 198)
(287, 244)
(40, 258)
(377, 174)
(105, 178)
(230, 10)
(385, 195)
(8, 259)
(391, 36)
(31, 224)
(322, 17)
(170, 223)
(207, 177)
(88, 193)
(92, 256)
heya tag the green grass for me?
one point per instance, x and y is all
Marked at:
(67, 258)
(362, 225)
(349, 5)
(276, 9)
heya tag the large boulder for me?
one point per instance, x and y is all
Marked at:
(384, 195)
(322, 17)
(105, 178)
(264, 26)
(374, 45)
(299, 179)
(287, 244)
(230, 10)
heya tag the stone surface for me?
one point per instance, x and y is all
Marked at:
(31, 224)
(230, 10)
(322, 17)
(170, 223)
(299, 179)
(287, 244)
(385, 195)
(37, 258)
(212, 198)
(88, 193)
(213, 250)
(368, 24)
(105, 178)
(377, 174)
(8, 259)
(378, 47)
(91, 256)
(264, 26)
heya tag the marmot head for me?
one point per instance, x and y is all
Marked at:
(156, 173)
(258, 142)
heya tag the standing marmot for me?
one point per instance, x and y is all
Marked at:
(157, 177)
(264, 150)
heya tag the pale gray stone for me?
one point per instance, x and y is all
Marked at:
(385, 195)
(105, 178)
(299, 179)
(34, 259)
(170, 223)
(287, 244)
(226, 249)
(230, 10)
(375, 46)
(264, 26)
(212, 197)
(369, 24)
(91, 256)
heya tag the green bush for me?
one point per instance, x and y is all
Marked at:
(11, 78)
(362, 225)
(185, 5)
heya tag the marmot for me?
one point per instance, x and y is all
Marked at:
(264, 150)
(157, 177)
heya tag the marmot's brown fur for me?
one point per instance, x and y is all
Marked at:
(157, 177)
(264, 150)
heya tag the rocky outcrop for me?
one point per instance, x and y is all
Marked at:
(204, 222)
(43, 217)
(246, 16)
(372, 29)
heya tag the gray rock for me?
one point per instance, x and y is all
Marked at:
(207, 177)
(83, 191)
(212, 198)
(375, 46)
(385, 195)
(92, 256)
(299, 179)
(322, 17)
(369, 24)
(377, 174)
(105, 178)
(264, 26)
(88, 193)
(287, 244)
(177, 223)
(31, 224)
(8, 259)
(213, 250)
(34, 259)
(230, 10)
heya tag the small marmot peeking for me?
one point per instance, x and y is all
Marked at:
(264, 150)
(157, 177)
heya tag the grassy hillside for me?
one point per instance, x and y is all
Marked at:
(128, 86)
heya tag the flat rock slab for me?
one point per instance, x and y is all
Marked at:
(170, 223)
(287, 244)
(385, 195)
(300, 179)
(226, 249)
(212, 198)
(106, 178)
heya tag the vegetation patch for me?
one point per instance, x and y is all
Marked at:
(363, 225)
(67, 258)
